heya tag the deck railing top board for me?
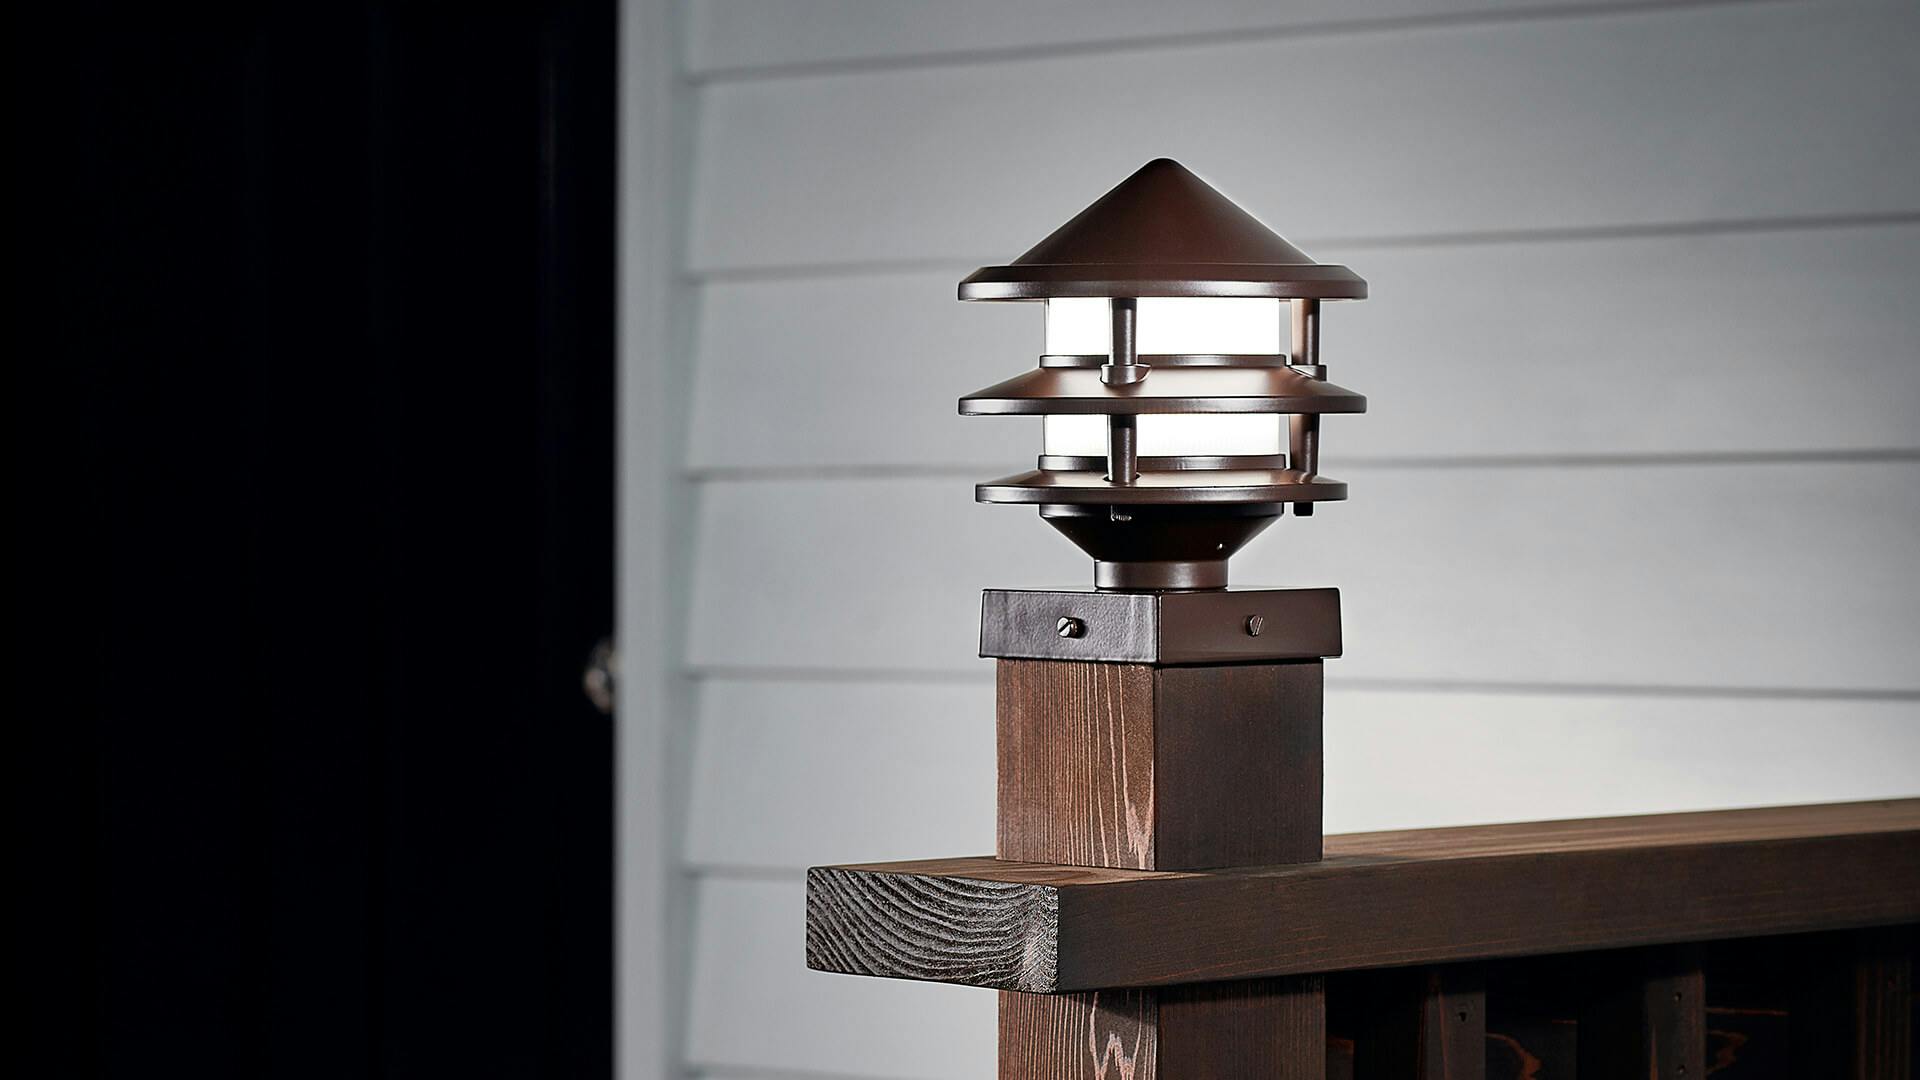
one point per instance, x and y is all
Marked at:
(1377, 900)
(1639, 831)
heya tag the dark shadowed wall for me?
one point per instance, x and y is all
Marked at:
(313, 430)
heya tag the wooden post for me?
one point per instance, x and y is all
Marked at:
(1424, 1024)
(1883, 1007)
(1140, 767)
(1153, 766)
(1854, 1011)
(1645, 1016)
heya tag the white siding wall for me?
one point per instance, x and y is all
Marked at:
(1644, 283)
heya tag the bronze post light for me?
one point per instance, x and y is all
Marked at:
(1163, 721)
(1164, 384)
(1179, 420)
(1159, 721)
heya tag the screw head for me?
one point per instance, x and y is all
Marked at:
(1068, 626)
(1255, 624)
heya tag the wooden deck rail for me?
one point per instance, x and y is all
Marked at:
(1162, 905)
(1376, 900)
(1550, 919)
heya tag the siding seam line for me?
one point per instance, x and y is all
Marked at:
(1571, 234)
(828, 473)
(1387, 24)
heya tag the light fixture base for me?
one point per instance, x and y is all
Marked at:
(1196, 575)
(1224, 626)
(1161, 548)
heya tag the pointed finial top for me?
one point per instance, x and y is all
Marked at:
(1163, 232)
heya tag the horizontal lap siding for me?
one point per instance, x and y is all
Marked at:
(1755, 576)
(1723, 113)
(1627, 265)
(1786, 341)
(881, 770)
(894, 770)
(725, 37)
(754, 1003)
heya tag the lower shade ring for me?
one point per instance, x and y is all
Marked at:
(1188, 487)
(1184, 463)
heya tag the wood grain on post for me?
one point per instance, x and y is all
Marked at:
(1104, 1033)
(1146, 767)
(1269, 1028)
(1137, 767)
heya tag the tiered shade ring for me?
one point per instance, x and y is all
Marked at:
(1176, 427)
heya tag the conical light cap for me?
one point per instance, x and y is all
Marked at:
(1163, 232)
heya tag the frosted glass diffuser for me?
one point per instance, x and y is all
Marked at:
(1169, 324)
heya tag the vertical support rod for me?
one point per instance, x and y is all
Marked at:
(1123, 449)
(1303, 429)
(1125, 352)
(1123, 368)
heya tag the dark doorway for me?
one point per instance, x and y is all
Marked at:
(312, 414)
